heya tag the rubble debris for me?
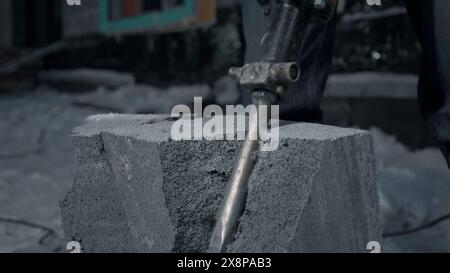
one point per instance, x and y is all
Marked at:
(143, 99)
(92, 78)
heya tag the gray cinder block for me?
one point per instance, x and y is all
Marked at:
(316, 193)
(136, 190)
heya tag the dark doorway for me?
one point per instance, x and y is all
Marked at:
(37, 23)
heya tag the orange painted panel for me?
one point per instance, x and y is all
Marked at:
(207, 10)
(131, 7)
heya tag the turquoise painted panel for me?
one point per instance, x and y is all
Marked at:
(146, 20)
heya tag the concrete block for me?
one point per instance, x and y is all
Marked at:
(316, 193)
(135, 190)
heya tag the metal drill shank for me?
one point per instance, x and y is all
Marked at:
(236, 191)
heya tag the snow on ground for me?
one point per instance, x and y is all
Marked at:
(36, 170)
(414, 189)
(36, 163)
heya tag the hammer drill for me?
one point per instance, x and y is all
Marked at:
(269, 79)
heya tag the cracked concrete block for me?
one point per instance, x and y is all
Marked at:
(316, 193)
(136, 190)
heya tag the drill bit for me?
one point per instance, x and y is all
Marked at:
(236, 192)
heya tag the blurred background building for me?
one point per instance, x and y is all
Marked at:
(173, 42)
(61, 63)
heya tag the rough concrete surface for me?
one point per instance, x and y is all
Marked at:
(135, 190)
(317, 193)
